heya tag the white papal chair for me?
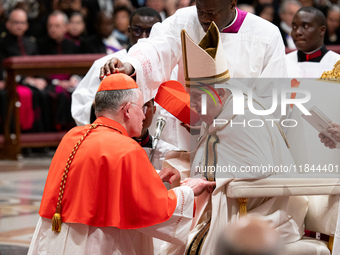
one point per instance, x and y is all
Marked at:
(323, 194)
(322, 214)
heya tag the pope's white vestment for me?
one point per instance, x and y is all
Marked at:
(242, 146)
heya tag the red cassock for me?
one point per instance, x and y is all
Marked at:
(111, 181)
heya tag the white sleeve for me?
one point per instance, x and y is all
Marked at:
(176, 229)
(154, 58)
(274, 65)
(274, 68)
(83, 96)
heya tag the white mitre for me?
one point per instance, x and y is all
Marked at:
(204, 63)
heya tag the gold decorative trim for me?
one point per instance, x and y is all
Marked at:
(210, 157)
(330, 243)
(218, 78)
(243, 206)
(196, 244)
(333, 75)
(184, 53)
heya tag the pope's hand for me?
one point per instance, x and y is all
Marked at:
(169, 174)
(114, 65)
(199, 185)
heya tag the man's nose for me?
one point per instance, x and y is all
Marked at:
(298, 31)
(206, 18)
(144, 34)
(195, 104)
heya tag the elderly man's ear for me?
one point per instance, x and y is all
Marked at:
(126, 109)
(322, 31)
(222, 93)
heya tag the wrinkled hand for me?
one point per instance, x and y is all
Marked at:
(169, 174)
(114, 65)
(334, 132)
(199, 185)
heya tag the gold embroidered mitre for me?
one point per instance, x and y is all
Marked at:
(332, 75)
(204, 63)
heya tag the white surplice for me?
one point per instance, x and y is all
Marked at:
(83, 97)
(255, 51)
(309, 69)
(80, 239)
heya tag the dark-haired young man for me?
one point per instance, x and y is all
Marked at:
(312, 57)
(141, 22)
(253, 49)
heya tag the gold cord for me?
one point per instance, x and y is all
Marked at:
(56, 220)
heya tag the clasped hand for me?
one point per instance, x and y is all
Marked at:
(114, 65)
(334, 132)
(169, 174)
(198, 185)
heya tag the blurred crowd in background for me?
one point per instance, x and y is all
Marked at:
(47, 27)
(107, 18)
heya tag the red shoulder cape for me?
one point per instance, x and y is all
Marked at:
(111, 181)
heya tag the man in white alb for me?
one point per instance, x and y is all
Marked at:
(253, 47)
(312, 57)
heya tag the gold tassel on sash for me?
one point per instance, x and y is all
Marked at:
(57, 220)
